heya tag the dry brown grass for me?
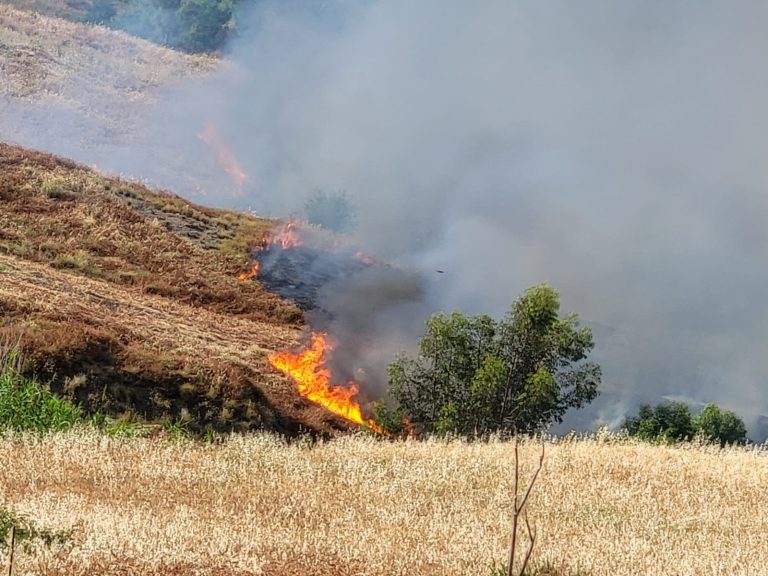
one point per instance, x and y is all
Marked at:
(58, 212)
(360, 506)
(91, 69)
(127, 300)
(103, 97)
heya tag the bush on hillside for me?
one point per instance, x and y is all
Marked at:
(332, 211)
(204, 24)
(188, 25)
(475, 375)
(26, 405)
(27, 532)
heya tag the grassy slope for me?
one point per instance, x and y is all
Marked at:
(127, 300)
(90, 93)
(357, 506)
(71, 9)
(95, 70)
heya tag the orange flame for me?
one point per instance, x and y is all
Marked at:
(313, 380)
(225, 157)
(288, 237)
(250, 274)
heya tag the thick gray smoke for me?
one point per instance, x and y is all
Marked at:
(613, 149)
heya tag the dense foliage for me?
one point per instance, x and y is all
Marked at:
(189, 25)
(475, 375)
(673, 421)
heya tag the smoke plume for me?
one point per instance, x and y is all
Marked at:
(614, 150)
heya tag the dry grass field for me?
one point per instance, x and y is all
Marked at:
(104, 74)
(93, 94)
(355, 505)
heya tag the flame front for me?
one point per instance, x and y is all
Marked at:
(225, 157)
(313, 380)
(287, 238)
(250, 274)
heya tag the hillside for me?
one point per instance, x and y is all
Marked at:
(104, 75)
(103, 98)
(128, 302)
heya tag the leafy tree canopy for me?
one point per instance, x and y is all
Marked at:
(673, 421)
(722, 426)
(189, 25)
(476, 375)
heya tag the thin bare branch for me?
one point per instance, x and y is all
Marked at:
(10, 554)
(515, 510)
(533, 478)
(532, 538)
(519, 507)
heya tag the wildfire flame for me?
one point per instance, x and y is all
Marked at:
(313, 380)
(250, 274)
(224, 156)
(288, 237)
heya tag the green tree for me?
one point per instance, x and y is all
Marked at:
(475, 375)
(670, 421)
(721, 426)
(204, 24)
(673, 422)
(153, 20)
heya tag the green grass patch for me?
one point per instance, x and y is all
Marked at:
(27, 405)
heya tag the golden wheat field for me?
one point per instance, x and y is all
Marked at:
(356, 505)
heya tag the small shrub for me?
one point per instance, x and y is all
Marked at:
(61, 188)
(21, 249)
(27, 533)
(390, 419)
(26, 405)
(80, 261)
(333, 212)
(178, 429)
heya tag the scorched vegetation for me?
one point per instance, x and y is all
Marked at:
(127, 301)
